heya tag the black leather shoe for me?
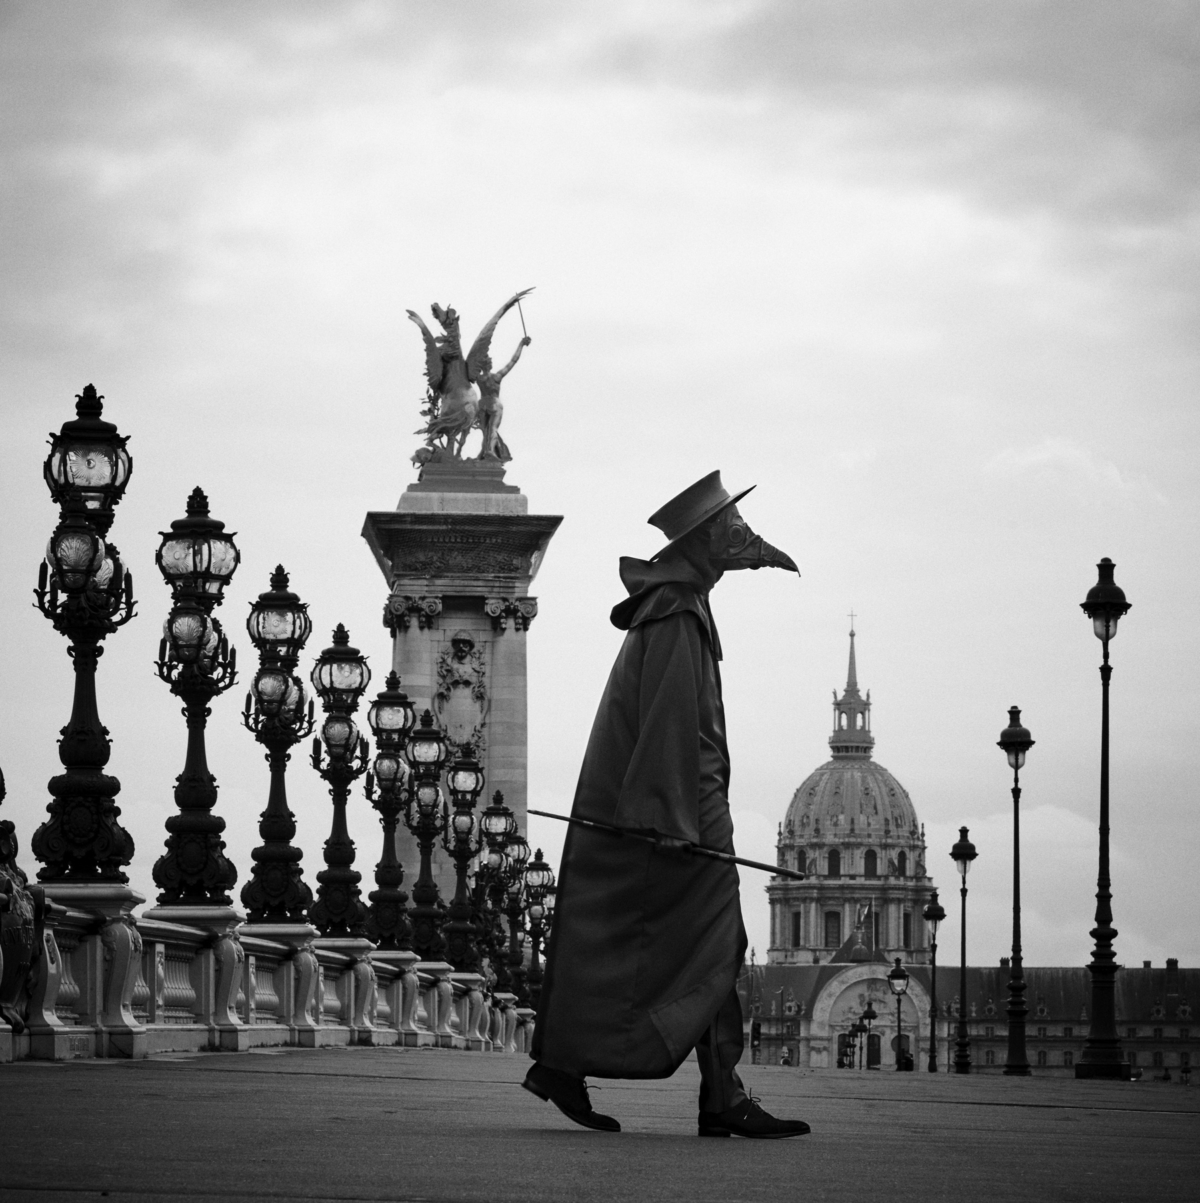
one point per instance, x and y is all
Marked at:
(569, 1094)
(750, 1120)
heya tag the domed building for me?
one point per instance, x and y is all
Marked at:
(852, 828)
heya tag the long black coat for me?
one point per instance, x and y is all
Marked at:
(647, 943)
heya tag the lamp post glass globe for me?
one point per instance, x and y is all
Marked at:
(88, 461)
(340, 674)
(1015, 740)
(75, 555)
(963, 854)
(897, 979)
(933, 914)
(278, 623)
(1105, 604)
(391, 715)
(427, 748)
(429, 798)
(539, 877)
(196, 556)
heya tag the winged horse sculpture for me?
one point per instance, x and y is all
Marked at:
(464, 393)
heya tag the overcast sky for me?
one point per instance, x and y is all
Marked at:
(926, 273)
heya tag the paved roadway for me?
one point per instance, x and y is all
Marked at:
(438, 1125)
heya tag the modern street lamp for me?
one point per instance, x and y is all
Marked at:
(539, 888)
(897, 981)
(85, 591)
(933, 915)
(462, 840)
(869, 1017)
(279, 715)
(1015, 740)
(197, 558)
(1102, 1055)
(963, 853)
(340, 676)
(425, 816)
(391, 717)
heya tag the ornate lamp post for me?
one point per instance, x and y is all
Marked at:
(197, 559)
(1102, 1056)
(539, 887)
(963, 853)
(869, 1017)
(518, 859)
(391, 718)
(897, 981)
(280, 716)
(425, 816)
(497, 825)
(461, 839)
(1016, 741)
(933, 915)
(86, 593)
(340, 676)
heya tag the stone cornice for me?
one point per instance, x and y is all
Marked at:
(496, 555)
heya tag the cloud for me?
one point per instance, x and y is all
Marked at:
(1062, 460)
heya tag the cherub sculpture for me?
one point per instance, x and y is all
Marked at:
(464, 393)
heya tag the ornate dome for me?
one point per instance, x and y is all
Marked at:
(846, 798)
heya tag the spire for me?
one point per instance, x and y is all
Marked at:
(852, 714)
(852, 671)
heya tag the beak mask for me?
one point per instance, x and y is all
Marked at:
(733, 545)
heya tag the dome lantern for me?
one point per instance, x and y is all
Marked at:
(852, 716)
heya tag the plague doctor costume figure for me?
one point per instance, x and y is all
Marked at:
(648, 938)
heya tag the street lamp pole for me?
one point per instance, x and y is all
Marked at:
(497, 825)
(425, 816)
(340, 676)
(539, 887)
(1102, 1055)
(197, 559)
(933, 914)
(462, 840)
(1015, 740)
(963, 853)
(391, 717)
(85, 591)
(897, 981)
(279, 715)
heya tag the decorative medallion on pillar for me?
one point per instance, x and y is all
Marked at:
(461, 700)
(522, 611)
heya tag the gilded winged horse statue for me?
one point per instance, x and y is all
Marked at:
(464, 393)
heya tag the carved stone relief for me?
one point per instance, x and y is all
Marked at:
(401, 608)
(461, 701)
(522, 611)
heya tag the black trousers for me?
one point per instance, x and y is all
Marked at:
(718, 1052)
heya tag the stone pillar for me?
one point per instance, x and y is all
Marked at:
(459, 554)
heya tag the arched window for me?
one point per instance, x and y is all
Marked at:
(858, 722)
(801, 861)
(842, 722)
(835, 864)
(870, 863)
(902, 864)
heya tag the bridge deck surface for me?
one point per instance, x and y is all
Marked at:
(440, 1125)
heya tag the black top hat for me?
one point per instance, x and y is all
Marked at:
(694, 506)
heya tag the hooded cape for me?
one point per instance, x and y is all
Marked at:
(646, 942)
